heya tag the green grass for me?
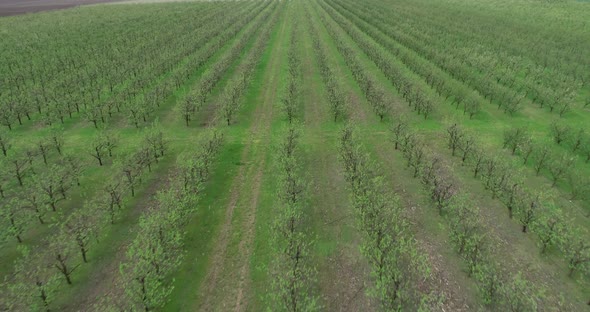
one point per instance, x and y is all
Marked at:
(245, 169)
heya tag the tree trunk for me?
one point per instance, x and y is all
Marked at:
(44, 298)
(83, 251)
(19, 178)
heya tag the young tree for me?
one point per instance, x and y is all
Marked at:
(337, 102)
(5, 142)
(102, 146)
(32, 200)
(475, 251)
(62, 250)
(399, 129)
(154, 141)
(549, 228)
(514, 104)
(416, 158)
(576, 249)
(93, 114)
(113, 200)
(21, 164)
(493, 169)
(351, 156)
(467, 146)
(455, 135)
(471, 105)
(464, 221)
(585, 149)
(379, 104)
(111, 141)
(82, 226)
(577, 139)
(144, 289)
(519, 295)
(137, 113)
(7, 118)
(490, 283)
(560, 167)
(44, 146)
(512, 195)
(15, 220)
(531, 209)
(427, 107)
(579, 184)
(187, 108)
(34, 284)
(56, 137)
(132, 170)
(478, 161)
(500, 177)
(74, 168)
(514, 138)
(51, 187)
(292, 283)
(564, 107)
(290, 100)
(431, 169)
(443, 190)
(542, 158)
(560, 132)
(154, 252)
(526, 149)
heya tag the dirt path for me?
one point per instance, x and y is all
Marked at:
(226, 286)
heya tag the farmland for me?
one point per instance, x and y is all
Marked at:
(15, 7)
(305, 155)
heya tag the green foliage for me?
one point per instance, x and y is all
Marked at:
(5, 142)
(294, 275)
(102, 146)
(549, 228)
(396, 263)
(157, 249)
(490, 283)
(291, 97)
(35, 284)
(83, 226)
(15, 220)
(576, 250)
(514, 138)
(336, 97)
(520, 295)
